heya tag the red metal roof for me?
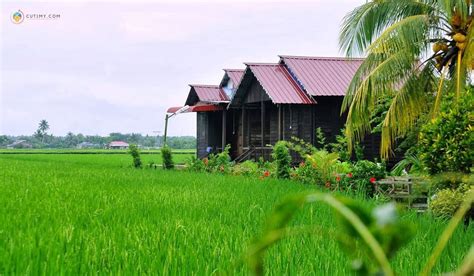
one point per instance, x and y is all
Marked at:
(279, 84)
(322, 76)
(235, 75)
(118, 144)
(197, 108)
(209, 93)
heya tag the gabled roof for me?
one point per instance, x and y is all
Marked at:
(118, 144)
(235, 75)
(205, 93)
(322, 76)
(277, 82)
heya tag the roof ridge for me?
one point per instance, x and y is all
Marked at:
(234, 70)
(323, 58)
(204, 85)
(260, 63)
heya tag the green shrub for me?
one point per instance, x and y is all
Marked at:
(450, 180)
(326, 164)
(445, 144)
(247, 168)
(167, 156)
(307, 174)
(300, 146)
(411, 164)
(135, 153)
(195, 164)
(365, 173)
(341, 147)
(281, 156)
(445, 203)
(219, 162)
(320, 139)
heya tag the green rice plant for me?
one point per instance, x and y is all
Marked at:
(75, 214)
(370, 238)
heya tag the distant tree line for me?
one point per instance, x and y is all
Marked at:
(41, 139)
(72, 140)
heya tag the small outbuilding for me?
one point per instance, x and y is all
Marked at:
(20, 144)
(118, 145)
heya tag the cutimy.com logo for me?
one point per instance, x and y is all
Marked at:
(18, 17)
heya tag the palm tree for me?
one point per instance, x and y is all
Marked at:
(42, 128)
(415, 50)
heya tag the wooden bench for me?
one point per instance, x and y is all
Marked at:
(411, 191)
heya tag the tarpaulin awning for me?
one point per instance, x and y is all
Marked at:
(197, 108)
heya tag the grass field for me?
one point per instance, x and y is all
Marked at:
(93, 214)
(89, 151)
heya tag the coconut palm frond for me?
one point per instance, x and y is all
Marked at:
(400, 37)
(383, 80)
(406, 107)
(468, 58)
(408, 34)
(365, 23)
(458, 7)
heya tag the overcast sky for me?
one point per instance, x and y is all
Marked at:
(116, 66)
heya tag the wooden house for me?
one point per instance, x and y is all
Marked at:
(254, 108)
(210, 104)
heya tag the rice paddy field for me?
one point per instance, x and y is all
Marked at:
(94, 214)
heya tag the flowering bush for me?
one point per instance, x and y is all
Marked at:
(365, 174)
(307, 174)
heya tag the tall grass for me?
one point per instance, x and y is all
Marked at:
(94, 214)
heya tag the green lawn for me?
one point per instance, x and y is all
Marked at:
(89, 214)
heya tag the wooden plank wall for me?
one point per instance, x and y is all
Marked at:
(209, 132)
(201, 134)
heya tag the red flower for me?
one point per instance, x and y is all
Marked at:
(372, 180)
(349, 175)
(206, 161)
(266, 173)
(328, 184)
(338, 178)
(302, 164)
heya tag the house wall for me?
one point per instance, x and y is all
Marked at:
(209, 132)
(244, 127)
